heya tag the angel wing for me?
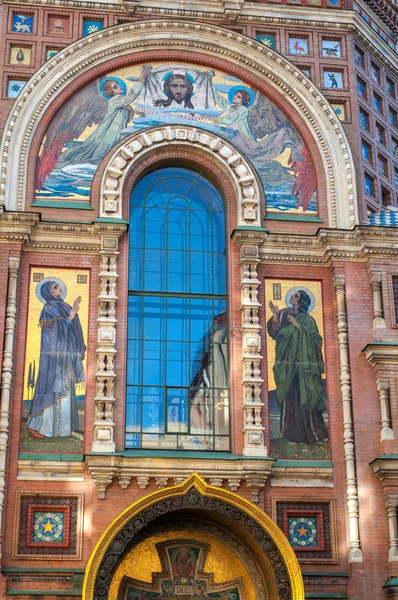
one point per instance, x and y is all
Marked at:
(266, 119)
(86, 108)
(305, 183)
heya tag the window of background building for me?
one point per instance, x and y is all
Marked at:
(369, 185)
(177, 366)
(361, 88)
(395, 296)
(392, 117)
(380, 134)
(364, 120)
(386, 197)
(390, 88)
(366, 151)
(382, 166)
(375, 73)
(359, 58)
(377, 103)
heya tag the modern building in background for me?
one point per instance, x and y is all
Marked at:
(199, 309)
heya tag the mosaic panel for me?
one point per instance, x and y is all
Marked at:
(48, 526)
(310, 529)
(22, 23)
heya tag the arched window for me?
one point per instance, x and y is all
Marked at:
(177, 360)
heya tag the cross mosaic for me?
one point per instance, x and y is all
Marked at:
(182, 576)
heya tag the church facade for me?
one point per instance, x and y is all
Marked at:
(199, 309)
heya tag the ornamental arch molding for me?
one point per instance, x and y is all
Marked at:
(257, 537)
(226, 157)
(131, 40)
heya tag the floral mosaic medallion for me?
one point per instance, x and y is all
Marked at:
(303, 531)
(48, 527)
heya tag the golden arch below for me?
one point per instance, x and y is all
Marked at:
(185, 539)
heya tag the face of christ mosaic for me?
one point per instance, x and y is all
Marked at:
(182, 576)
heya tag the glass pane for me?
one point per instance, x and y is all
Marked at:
(221, 412)
(177, 267)
(134, 317)
(177, 230)
(133, 409)
(201, 410)
(154, 321)
(195, 442)
(221, 444)
(177, 318)
(154, 274)
(153, 409)
(134, 362)
(201, 272)
(177, 361)
(153, 363)
(201, 318)
(154, 228)
(177, 410)
(220, 274)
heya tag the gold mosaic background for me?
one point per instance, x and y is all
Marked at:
(221, 561)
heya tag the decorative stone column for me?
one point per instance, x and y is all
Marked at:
(251, 352)
(391, 500)
(383, 386)
(6, 374)
(378, 313)
(105, 375)
(355, 552)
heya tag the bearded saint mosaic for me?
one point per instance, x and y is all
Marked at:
(55, 361)
(182, 577)
(134, 98)
(296, 369)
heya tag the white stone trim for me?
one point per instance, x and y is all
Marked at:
(81, 56)
(228, 159)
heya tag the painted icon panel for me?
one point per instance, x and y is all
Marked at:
(266, 39)
(22, 23)
(55, 362)
(296, 369)
(58, 25)
(331, 48)
(333, 79)
(20, 55)
(50, 52)
(91, 26)
(137, 97)
(14, 87)
(298, 45)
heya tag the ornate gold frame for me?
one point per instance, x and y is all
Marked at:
(194, 481)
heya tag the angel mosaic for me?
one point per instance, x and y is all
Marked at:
(135, 98)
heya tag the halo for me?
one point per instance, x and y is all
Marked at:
(118, 80)
(297, 289)
(237, 88)
(183, 74)
(56, 280)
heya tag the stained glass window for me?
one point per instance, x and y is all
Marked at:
(177, 365)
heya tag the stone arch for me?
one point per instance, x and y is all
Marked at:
(228, 158)
(288, 81)
(194, 494)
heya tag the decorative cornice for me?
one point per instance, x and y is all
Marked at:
(167, 471)
(128, 39)
(380, 353)
(35, 235)
(386, 468)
